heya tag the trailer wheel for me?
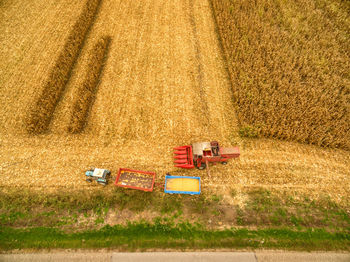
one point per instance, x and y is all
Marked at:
(102, 183)
(203, 166)
(224, 162)
(89, 180)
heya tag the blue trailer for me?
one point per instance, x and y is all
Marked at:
(182, 185)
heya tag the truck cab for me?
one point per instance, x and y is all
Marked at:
(204, 152)
(100, 175)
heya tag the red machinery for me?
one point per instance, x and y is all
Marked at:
(199, 154)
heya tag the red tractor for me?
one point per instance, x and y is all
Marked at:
(199, 154)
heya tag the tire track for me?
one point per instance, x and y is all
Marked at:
(127, 129)
(198, 62)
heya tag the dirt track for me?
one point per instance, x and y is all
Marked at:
(164, 85)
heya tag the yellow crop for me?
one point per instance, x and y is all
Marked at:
(289, 64)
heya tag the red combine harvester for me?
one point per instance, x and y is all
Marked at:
(199, 154)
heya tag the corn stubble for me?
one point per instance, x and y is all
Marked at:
(42, 111)
(289, 66)
(87, 91)
(151, 79)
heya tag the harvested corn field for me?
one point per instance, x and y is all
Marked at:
(42, 112)
(164, 84)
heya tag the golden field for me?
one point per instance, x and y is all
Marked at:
(289, 63)
(164, 84)
(86, 93)
(42, 111)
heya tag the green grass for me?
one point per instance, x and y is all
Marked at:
(31, 220)
(266, 209)
(262, 209)
(164, 233)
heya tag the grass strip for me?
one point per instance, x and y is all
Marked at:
(87, 91)
(263, 208)
(165, 234)
(42, 112)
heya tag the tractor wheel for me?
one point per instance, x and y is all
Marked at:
(89, 180)
(203, 166)
(224, 162)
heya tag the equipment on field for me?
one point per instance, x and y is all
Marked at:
(182, 185)
(98, 174)
(135, 179)
(199, 154)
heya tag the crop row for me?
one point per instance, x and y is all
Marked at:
(43, 109)
(86, 93)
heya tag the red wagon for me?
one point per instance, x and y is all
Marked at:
(135, 179)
